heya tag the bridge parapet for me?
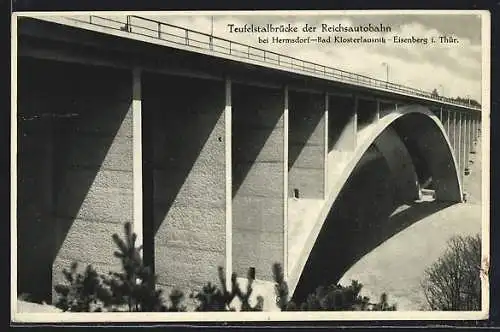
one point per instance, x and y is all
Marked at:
(142, 28)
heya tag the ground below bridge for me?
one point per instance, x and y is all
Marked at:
(397, 265)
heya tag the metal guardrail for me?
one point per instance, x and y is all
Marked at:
(182, 36)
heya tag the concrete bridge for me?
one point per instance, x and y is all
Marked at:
(220, 154)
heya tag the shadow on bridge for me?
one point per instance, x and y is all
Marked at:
(366, 213)
(69, 137)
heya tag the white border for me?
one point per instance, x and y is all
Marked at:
(13, 168)
(485, 153)
(265, 316)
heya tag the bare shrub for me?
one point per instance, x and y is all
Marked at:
(453, 282)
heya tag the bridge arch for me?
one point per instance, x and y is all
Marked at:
(425, 139)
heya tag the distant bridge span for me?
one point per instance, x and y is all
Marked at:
(216, 158)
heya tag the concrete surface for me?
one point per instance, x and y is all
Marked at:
(342, 123)
(437, 155)
(75, 157)
(397, 265)
(306, 145)
(258, 179)
(186, 154)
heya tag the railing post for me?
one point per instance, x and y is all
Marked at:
(90, 19)
(187, 37)
(159, 30)
(129, 28)
(230, 44)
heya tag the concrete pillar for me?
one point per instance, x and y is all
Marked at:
(466, 141)
(367, 110)
(471, 121)
(478, 126)
(456, 138)
(95, 192)
(385, 107)
(377, 114)
(460, 144)
(474, 119)
(136, 110)
(259, 190)
(452, 131)
(229, 180)
(306, 151)
(448, 121)
(342, 123)
(472, 133)
(397, 157)
(465, 156)
(187, 130)
(286, 130)
(469, 141)
(325, 144)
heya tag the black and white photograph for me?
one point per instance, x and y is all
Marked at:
(250, 166)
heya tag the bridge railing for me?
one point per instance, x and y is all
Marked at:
(183, 36)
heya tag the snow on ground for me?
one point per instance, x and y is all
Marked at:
(24, 306)
(397, 265)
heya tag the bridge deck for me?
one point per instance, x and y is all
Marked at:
(161, 33)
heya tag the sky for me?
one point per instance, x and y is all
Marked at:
(452, 69)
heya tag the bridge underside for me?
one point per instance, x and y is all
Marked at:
(395, 181)
(236, 167)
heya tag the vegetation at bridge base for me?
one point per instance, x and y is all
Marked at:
(211, 298)
(453, 282)
(331, 298)
(134, 289)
